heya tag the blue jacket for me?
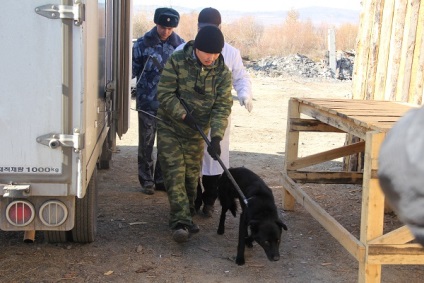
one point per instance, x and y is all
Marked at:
(150, 53)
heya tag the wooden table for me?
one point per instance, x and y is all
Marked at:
(370, 121)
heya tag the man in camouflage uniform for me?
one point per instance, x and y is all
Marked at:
(207, 189)
(198, 75)
(150, 54)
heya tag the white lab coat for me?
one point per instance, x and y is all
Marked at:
(243, 87)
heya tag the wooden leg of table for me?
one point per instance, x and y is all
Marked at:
(372, 214)
(288, 200)
(292, 146)
(369, 273)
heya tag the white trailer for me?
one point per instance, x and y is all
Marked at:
(64, 99)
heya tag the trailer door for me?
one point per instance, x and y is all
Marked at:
(35, 93)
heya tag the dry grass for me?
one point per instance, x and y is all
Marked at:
(255, 40)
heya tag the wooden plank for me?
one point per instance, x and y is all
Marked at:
(396, 254)
(352, 103)
(311, 125)
(383, 51)
(326, 156)
(346, 239)
(373, 52)
(396, 39)
(360, 65)
(372, 207)
(288, 201)
(407, 52)
(371, 188)
(326, 177)
(346, 125)
(321, 109)
(401, 235)
(366, 112)
(378, 119)
(347, 104)
(417, 78)
(292, 137)
(292, 147)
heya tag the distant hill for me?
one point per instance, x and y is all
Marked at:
(316, 14)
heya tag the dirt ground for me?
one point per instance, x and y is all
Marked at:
(134, 242)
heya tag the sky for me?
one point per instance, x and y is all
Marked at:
(254, 5)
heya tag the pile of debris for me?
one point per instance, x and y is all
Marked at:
(299, 65)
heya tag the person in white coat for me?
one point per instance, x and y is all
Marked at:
(211, 169)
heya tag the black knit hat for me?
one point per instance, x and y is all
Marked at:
(166, 17)
(210, 40)
(209, 16)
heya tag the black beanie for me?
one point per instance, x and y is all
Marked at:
(166, 17)
(210, 40)
(209, 16)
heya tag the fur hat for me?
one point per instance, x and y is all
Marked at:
(166, 17)
(209, 16)
(209, 39)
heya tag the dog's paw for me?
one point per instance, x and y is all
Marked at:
(220, 231)
(240, 260)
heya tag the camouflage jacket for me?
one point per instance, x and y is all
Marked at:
(150, 53)
(205, 89)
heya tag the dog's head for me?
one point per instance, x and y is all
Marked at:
(268, 235)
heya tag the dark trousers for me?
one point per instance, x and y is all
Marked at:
(210, 192)
(148, 172)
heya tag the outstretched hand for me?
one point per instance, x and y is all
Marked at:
(248, 103)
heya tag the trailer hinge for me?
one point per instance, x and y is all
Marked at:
(75, 12)
(16, 191)
(55, 140)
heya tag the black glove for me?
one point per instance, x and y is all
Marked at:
(190, 121)
(214, 149)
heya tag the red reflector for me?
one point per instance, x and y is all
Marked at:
(20, 213)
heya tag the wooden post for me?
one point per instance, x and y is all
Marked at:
(417, 76)
(372, 214)
(292, 149)
(332, 50)
(360, 66)
(407, 51)
(395, 49)
(383, 51)
(375, 27)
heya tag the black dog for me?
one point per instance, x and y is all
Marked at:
(260, 214)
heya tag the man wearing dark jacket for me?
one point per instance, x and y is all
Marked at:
(150, 53)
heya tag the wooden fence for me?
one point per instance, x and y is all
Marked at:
(389, 61)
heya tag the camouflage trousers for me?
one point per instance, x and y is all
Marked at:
(180, 159)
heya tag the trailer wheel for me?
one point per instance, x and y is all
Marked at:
(53, 237)
(105, 156)
(85, 227)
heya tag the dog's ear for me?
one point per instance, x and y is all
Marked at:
(281, 224)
